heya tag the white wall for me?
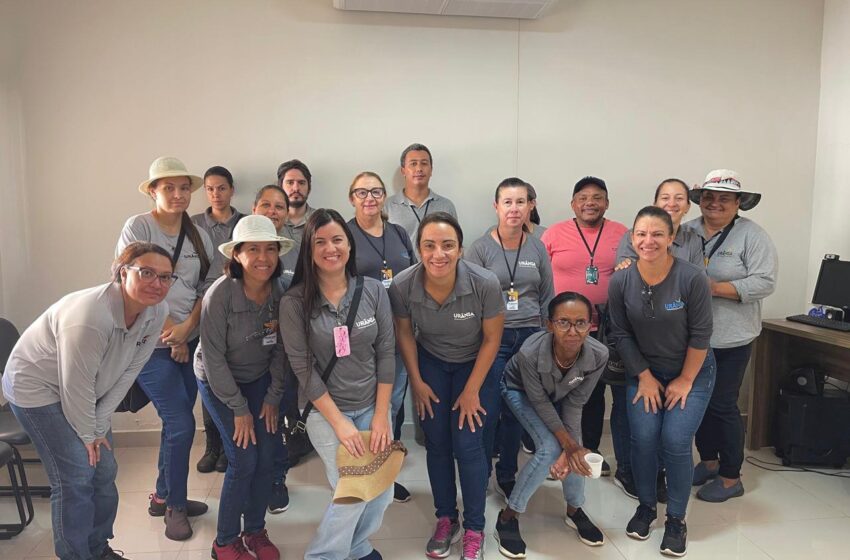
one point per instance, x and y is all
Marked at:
(630, 91)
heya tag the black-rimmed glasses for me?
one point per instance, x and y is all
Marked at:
(581, 326)
(149, 275)
(363, 193)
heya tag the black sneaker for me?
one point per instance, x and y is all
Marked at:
(279, 499)
(109, 554)
(626, 483)
(221, 463)
(505, 488)
(509, 539)
(661, 488)
(193, 508)
(588, 533)
(207, 462)
(400, 494)
(675, 541)
(641, 523)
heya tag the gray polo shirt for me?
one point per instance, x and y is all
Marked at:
(81, 354)
(452, 331)
(295, 231)
(188, 288)
(353, 383)
(538, 231)
(748, 259)
(287, 267)
(532, 277)
(404, 212)
(557, 398)
(657, 337)
(219, 232)
(394, 246)
(240, 342)
(687, 245)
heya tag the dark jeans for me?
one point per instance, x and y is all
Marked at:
(508, 431)
(721, 435)
(172, 389)
(621, 434)
(83, 499)
(445, 443)
(288, 404)
(210, 430)
(248, 480)
(672, 433)
(593, 413)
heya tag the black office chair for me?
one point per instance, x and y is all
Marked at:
(10, 457)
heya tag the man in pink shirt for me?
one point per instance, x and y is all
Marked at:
(583, 251)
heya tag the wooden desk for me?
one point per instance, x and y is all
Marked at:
(782, 346)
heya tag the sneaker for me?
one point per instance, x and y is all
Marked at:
(505, 488)
(703, 474)
(400, 494)
(207, 462)
(626, 483)
(260, 545)
(588, 533)
(177, 526)
(374, 555)
(108, 553)
(279, 498)
(221, 464)
(641, 523)
(661, 487)
(473, 545)
(509, 539)
(527, 448)
(233, 551)
(675, 541)
(193, 508)
(445, 535)
(715, 492)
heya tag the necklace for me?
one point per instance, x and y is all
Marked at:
(558, 362)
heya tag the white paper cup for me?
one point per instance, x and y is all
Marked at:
(594, 460)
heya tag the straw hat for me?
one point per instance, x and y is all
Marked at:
(726, 180)
(255, 228)
(364, 478)
(168, 167)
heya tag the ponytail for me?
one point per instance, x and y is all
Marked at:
(192, 233)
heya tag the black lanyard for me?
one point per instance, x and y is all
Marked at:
(418, 219)
(596, 244)
(723, 235)
(383, 250)
(511, 273)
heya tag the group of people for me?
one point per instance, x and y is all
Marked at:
(508, 343)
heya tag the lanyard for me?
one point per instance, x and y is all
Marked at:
(596, 244)
(418, 219)
(383, 250)
(723, 235)
(511, 273)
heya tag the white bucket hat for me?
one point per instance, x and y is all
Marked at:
(255, 228)
(726, 180)
(168, 167)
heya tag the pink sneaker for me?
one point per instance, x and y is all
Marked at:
(261, 546)
(473, 545)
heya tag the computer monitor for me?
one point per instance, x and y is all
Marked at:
(833, 286)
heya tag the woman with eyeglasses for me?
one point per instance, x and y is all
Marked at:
(383, 250)
(661, 324)
(168, 378)
(66, 375)
(546, 385)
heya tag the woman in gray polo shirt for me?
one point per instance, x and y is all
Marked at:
(458, 311)
(355, 395)
(65, 377)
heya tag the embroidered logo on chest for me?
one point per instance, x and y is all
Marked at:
(675, 305)
(464, 316)
(363, 323)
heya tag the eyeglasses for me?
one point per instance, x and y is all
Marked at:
(648, 306)
(376, 193)
(148, 275)
(581, 326)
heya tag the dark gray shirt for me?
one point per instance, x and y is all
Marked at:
(402, 211)
(296, 231)
(240, 342)
(532, 276)
(287, 267)
(353, 382)
(452, 331)
(687, 245)
(394, 247)
(654, 331)
(219, 232)
(557, 398)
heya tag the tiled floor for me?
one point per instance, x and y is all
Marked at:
(782, 516)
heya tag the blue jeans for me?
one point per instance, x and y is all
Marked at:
(508, 432)
(83, 499)
(673, 432)
(397, 398)
(445, 443)
(172, 389)
(547, 450)
(345, 528)
(248, 480)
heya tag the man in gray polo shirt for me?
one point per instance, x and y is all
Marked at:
(295, 179)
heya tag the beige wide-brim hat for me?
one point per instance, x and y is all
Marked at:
(726, 180)
(257, 229)
(362, 479)
(163, 167)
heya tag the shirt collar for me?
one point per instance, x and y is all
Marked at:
(462, 287)
(345, 302)
(407, 202)
(584, 362)
(240, 303)
(212, 222)
(116, 307)
(303, 222)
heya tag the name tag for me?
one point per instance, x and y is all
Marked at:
(269, 339)
(387, 277)
(342, 344)
(513, 300)
(591, 275)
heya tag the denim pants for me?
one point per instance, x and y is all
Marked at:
(397, 398)
(547, 450)
(508, 432)
(345, 528)
(721, 435)
(621, 434)
(673, 432)
(172, 389)
(83, 499)
(445, 443)
(248, 480)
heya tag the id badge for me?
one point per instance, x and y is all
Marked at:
(591, 274)
(341, 343)
(513, 300)
(387, 277)
(269, 340)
